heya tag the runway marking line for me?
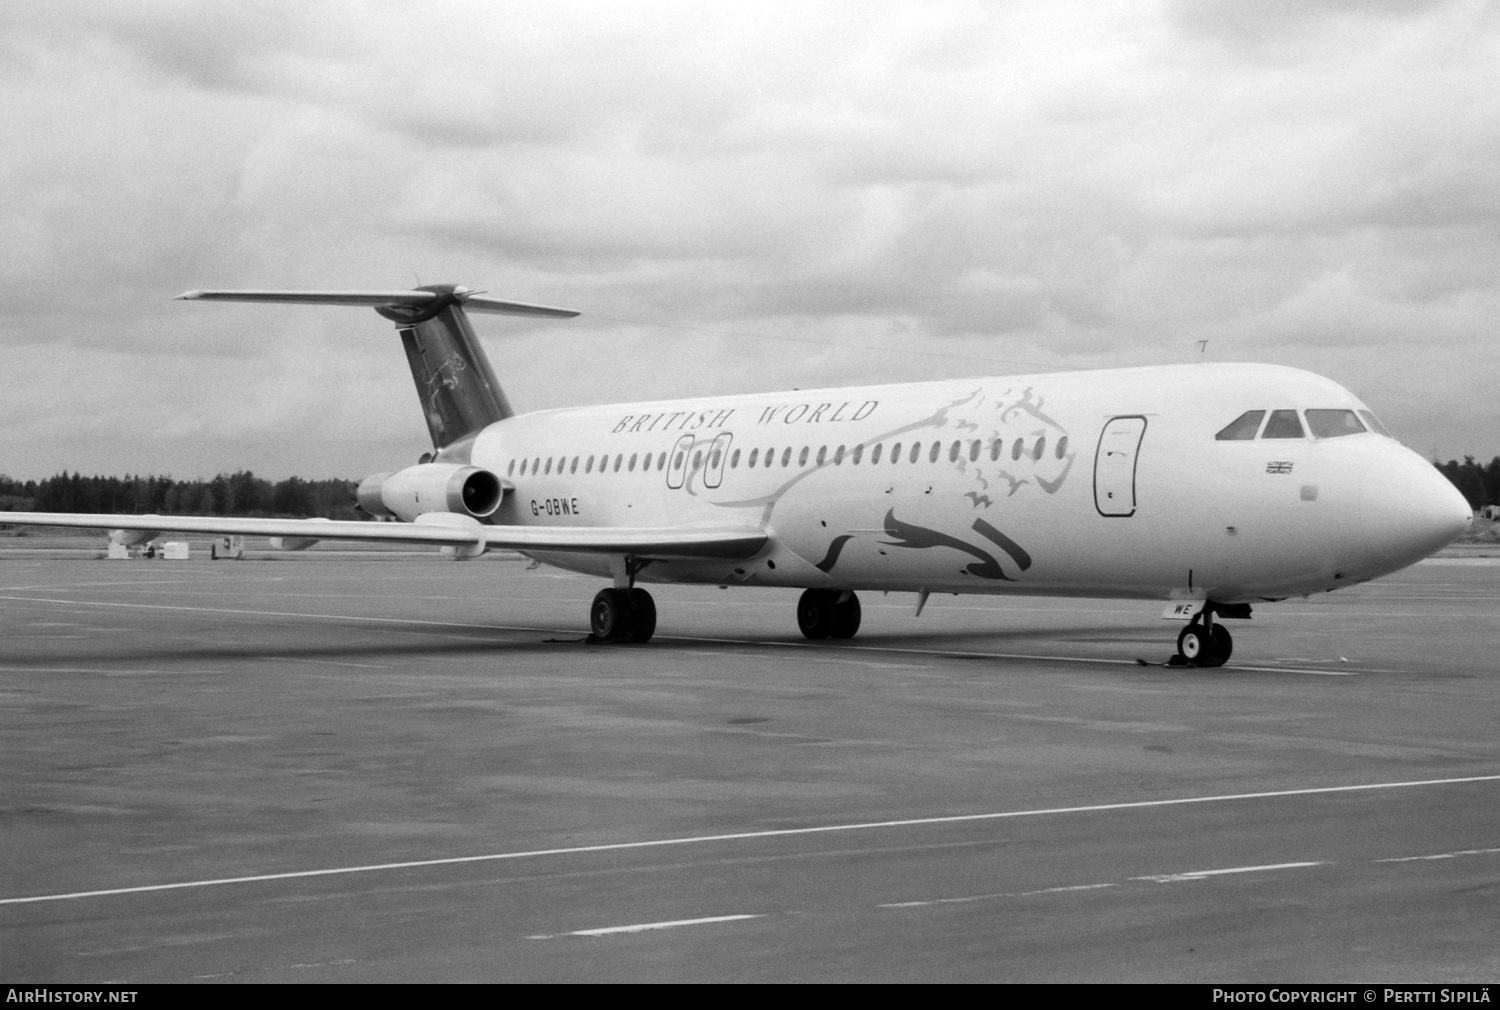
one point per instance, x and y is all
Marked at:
(735, 836)
(966, 899)
(1172, 878)
(642, 927)
(949, 653)
(1440, 855)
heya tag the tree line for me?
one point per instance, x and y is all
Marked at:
(1478, 482)
(229, 494)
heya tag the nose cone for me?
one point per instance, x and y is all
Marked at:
(1410, 509)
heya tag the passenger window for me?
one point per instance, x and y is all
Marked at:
(536, 466)
(511, 470)
(589, 466)
(713, 459)
(619, 460)
(1041, 447)
(1283, 424)
(1015, 450)
(633, 458)
(574, 467)
(896, 453)
(1374, 424)
(1062, 447)
(1242, 428)
(822, 452)
(646, 461)
(754, 455)
(802, 456)
(974, 451)
(859, 451)
(838, 456)
(874, 453)
(916, 452)
(786, 456)
(678, 461)
(697, 459)
(523, 468)
(1333, 423)
(953, 451)
(934, 452)
(734, 460)
(549, 465)
(995, 448)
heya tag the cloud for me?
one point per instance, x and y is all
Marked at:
(1083, 184)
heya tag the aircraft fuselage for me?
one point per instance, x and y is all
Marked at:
(1103, 483)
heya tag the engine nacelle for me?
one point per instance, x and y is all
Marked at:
(431, 487)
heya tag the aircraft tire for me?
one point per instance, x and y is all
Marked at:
(1194, 645)
(845, 623)
(610, 616)
(1221, 646)
(815, 612)
(642, 617)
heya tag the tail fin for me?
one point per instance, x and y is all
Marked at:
(458, 389)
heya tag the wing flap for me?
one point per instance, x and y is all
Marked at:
(665, 542)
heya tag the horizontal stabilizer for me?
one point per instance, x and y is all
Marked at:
(381, 299)
(666, 542)
(478, 303)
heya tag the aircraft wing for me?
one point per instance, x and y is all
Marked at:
(438, 529)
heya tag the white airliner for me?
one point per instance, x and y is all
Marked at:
(1208, 486)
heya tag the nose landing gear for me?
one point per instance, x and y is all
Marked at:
(1203, 643)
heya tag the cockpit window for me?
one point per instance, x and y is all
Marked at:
(1283, 424)
(1374, 424)
(1242, 428)
(1333, 423)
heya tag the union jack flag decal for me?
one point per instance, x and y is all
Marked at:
(1279, 466)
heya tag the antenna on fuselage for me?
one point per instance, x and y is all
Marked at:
(1203, 347)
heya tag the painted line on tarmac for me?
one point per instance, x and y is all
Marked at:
(822, 647)
(642, 927)
(1172, 878)
(1158, 878)
(325, 662)
(1030, 657)
(279, 613)
(737, 836)
(970, 898)
(1440, 855)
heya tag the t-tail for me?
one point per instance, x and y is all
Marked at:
(457, 386)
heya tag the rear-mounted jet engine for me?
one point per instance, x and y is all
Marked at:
(431, 487)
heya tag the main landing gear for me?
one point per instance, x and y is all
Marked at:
(1203, 643)
(629, 615)
(828, 613)
(622, 615)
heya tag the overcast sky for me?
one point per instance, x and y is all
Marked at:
(738, 197)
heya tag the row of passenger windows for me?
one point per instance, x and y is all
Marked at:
(1286, 424)
(768, 458)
